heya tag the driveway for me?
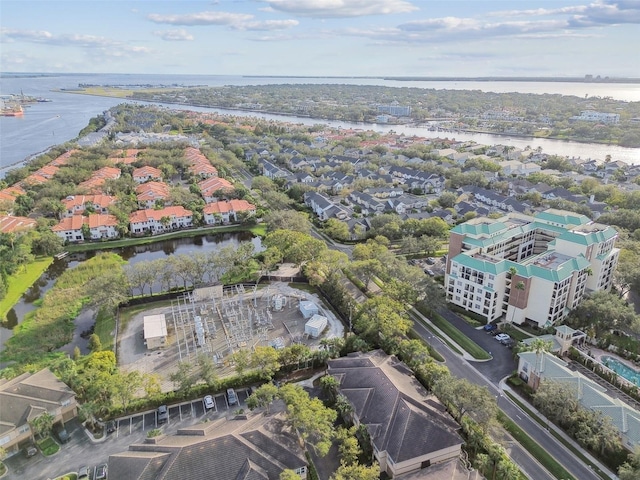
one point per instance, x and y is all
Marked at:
(83, 451)
(501, 365)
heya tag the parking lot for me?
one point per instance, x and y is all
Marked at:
(82, 450)
(180, 415)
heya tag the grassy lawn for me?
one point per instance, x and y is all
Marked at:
(48, 446)
(3, 469)
(20, 282)
(68, 476)
(105, 325)
(471, 347)
(534, 449)
(515, 333)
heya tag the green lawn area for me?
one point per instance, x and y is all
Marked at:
(48, 446)
(534, 449)
(515, 333)
(20, 282)
(105, 324)
(471, 347)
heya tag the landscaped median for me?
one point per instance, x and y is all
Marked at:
(464, 342)
(21, 281)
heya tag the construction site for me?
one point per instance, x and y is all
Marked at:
(218, 321)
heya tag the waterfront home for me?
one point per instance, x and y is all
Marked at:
(158, 221)
(98, 226)
(151, 194)
(77, 204)
(226, 211)
(25, 398)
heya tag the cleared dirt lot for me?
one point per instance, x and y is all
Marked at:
(217, 322)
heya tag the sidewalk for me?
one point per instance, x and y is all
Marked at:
(428, 322)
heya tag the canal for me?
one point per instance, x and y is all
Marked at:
(133, 254)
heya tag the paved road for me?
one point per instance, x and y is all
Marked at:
(503, 362)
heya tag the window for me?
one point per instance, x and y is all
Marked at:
(301, 470)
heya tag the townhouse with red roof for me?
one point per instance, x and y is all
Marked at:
(150, 193)
(210, 187)
(157, 221)
(146, 174)
(63, 159)
(226, 211)
(100, 227)
(77, 204)
(199, 164)
(13, 224)
(9, 194)
(94, 184)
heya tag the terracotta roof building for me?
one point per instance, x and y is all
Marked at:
(12, 224)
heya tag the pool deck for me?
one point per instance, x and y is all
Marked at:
(612, 390)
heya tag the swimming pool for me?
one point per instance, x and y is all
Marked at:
(621, 369)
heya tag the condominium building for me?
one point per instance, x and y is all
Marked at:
(532, 269)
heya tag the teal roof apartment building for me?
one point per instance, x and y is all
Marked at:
(529, 268)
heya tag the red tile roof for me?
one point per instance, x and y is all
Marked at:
(69, 223)
(151, 214)
(147, 171)
(229, 206)
(9, 223)
(102, 201)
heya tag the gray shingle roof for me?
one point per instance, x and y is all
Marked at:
(399, 414)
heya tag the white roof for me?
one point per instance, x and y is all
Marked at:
(155, 326)
(317, 321)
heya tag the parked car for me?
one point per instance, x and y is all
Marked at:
(30, 451)
(489, 327)
(62, 434)
(162, 413)
(503, 337)
(232, 398)
(111, 426)
(100, 472)
(83, 473)
(209, 402)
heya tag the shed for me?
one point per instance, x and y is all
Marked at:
(315, 326)
(155, 331)
(308, 309)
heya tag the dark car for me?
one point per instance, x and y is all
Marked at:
(30, 451)
(100, 472)
(489, 327)
(162, 413)
(83, 473)
(111, 426)
(62, 435)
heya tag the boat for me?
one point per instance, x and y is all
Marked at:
(43, 100)
(12, 111)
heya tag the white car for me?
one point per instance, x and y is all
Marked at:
(503, 337)
(209, 403)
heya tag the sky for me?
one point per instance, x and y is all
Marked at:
(323, 37)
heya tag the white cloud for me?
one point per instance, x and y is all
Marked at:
(341, 8)
(180, 35)
(201, 18)
(267, 25)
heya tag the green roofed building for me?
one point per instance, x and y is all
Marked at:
(531, 269)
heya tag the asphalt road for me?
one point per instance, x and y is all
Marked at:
(489, 374)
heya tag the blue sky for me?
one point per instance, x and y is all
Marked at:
(323, 37)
